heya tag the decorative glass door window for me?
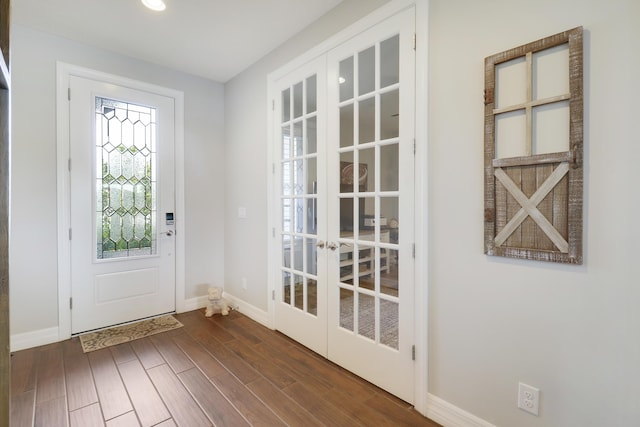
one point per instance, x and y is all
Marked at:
(125, 179)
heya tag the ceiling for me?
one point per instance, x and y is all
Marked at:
(215, 39)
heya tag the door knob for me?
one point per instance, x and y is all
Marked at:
(320, 244)
(332, 246)
(169, 233)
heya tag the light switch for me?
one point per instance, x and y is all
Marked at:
(242, 212)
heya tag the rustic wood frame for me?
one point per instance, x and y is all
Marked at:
(534, 203)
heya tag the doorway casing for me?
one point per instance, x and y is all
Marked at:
(64, 71)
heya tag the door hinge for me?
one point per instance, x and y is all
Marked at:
(273, 295)
(413, 250)
(70, 303)
(414, 146)
(69, 165)
(273, 105)
(413, 352)
(415, 41)
(273, 232)
(69, 234)
(273, 168)
(69, 93)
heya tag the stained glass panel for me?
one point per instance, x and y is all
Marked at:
(125, 179)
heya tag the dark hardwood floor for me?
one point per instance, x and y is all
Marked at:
(222, 371)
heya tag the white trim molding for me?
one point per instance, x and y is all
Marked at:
(421, 230)
(449, 415)
(248, 310)
(34, 339)
(243, 307)
(64, 72)
(192, 304)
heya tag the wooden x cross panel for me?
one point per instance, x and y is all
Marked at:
(529, 207)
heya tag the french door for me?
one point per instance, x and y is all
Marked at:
(345, 129)
(301, 298)
(122, 204)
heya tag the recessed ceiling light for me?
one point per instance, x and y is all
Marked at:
(157, 5)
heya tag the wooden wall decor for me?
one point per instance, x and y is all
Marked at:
(533, 150)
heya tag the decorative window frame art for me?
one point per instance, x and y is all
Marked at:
(533, 158)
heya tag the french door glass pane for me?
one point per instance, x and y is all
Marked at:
(389, 167)
(389, 277)
(297, 139)
(389, 323)
(312, 176)
(286, 105)
(299, 175)
(298, 293)
(367, 316)
(346, 309)
(312, 135)
(366, 70)
(297, 100)
(286, 287)
(390, 61)
(367, 120)
(389, 113)
(369, 192)
(312, 296)
(125, 179)
(287, 184)
(312, 94)
(346, 79)
(346, 126)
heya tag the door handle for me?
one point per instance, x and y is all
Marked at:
(168, 233)
(320, 244)
(333, 246)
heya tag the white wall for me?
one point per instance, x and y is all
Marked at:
(246, 153)
(33, 269)
(572, 331)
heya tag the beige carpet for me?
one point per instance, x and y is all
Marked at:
(92, 341)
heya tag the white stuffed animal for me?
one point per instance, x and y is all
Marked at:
(216, 303)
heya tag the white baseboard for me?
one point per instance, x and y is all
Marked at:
(193, 304)
(249, 310)
(34, 339)
(450, 415)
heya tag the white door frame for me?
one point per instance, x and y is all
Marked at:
(64, 71)
(421, 326)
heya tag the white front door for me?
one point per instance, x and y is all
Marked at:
(122, 204)
(344, 132)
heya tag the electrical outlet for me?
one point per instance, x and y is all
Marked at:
(528, 398)
(244, 283)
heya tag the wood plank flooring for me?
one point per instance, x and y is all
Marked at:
(222, 371)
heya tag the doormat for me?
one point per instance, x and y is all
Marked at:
(92, 341)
